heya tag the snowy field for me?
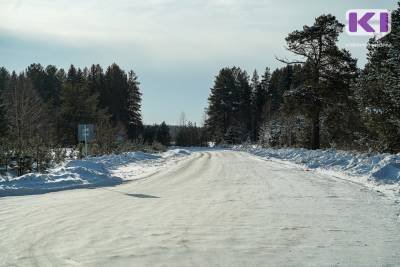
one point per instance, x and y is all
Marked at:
(380, 172)
(89, 173)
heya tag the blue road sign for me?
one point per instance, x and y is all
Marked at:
(85, 132)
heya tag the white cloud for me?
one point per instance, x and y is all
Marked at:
(175, 46)
(161, 28)
(165, 30)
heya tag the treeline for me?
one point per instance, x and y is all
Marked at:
(157, 134)
(41, 108)
(187, 134)
(319, 100)
(190, 135)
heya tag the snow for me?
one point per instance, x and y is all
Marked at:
(88, 173)
(377, 171)
(212, 208)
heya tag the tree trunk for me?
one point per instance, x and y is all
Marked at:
(315, 141)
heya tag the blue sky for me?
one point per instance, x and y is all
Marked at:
(175, 46)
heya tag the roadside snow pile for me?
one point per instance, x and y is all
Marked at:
(88, 173)
(176, 152)
(74, 174)
(380, 171)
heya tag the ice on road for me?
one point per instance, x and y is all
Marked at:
(212, 208)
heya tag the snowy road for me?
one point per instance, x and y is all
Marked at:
(213, 208)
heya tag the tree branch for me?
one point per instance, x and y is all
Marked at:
(284, 60)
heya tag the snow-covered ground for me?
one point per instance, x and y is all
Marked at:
(376, 171)
(211, 208)
(89, 173)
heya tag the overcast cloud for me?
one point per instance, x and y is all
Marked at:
(176, 47)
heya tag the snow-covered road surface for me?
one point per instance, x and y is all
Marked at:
(212, 208)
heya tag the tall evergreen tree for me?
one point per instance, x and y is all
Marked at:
(163, 135)
(150, 133)
(51, 86)
(281, 80)
(117, 94)
(78, 105)
(4, 79)
(36, 73)
(96, 83)
(260, 91)
(73, 77)
(378, 90)
(317, 45)
(229, 111)
(135, 124)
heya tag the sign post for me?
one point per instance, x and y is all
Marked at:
(85, 134)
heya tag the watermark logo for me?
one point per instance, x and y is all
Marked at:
(368, 22)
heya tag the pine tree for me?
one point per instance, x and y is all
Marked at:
(73, 77)
(260, 90)
(51, 86)
(135, 124)
(36, 74)
(230, 105)
(78, 105)
(245, 104)
(317, 46)
(276, 85)
(3, 120)
(163, 136)
(150, 134)
(378, 90)
(116, 84)
(4, 79)
(216, 122)
(95, 80)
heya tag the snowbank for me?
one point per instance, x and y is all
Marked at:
(378, 171)
(88, 173)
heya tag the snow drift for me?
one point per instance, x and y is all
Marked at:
(87, 173)
(378, 171)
